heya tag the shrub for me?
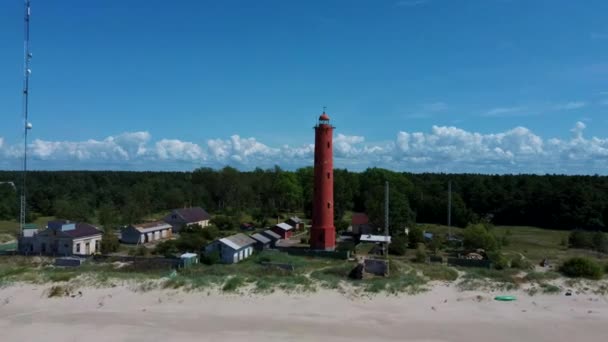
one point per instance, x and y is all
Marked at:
(499, 261)
(398, 245)
(167, 248)
(415, 237)
(580, 239)
(436, 243)
(582, 268)
(109, 243)
(233, 284)
(479, 236)
(304, 240)
(599, 241)
(521, 263)
(211, 258)
(139, 251)
(421, 254)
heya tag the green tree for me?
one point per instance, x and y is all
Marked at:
(398, 245)
(108, 216)
(109, 243)
(479, 236)
(415, 237)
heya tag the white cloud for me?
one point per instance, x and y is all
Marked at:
(443, 148)
(171, 149)
(504, 111)
(570, 105)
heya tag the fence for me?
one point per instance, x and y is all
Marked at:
(342, 255)
(143, 262)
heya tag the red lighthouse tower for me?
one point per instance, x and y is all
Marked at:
(323, 232)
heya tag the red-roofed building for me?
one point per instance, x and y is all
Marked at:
(360, 224)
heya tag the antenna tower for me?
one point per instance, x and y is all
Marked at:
(26, 124)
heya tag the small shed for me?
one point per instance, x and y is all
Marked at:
(188, 259)
(274, 237)
(232, 249)
(262, 242)
(284, 230)
(375, 238)
(146, 232)
(295, 222)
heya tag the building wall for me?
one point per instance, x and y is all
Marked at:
(130, 235)
(285, 234)
(79, 245)
(227, 254)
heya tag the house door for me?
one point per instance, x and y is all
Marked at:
(87, 248)
(235, 258)
(43, 247)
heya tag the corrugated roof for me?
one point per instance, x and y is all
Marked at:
(272, 234)
(82, 230)
(261, 238)
(237, 241)
(375, 238)
(295, 219)
(284, 226)
(195, 214)
(151, 226)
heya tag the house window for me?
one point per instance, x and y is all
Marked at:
(77, 248)
(174, 216)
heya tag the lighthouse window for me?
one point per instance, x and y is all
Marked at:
(328, 144)
(328, 175)
(328, 205)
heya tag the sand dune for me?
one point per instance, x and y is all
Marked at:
(442, 314)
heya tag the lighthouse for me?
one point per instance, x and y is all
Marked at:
(323, 232)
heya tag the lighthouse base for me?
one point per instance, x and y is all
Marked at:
(323, 238)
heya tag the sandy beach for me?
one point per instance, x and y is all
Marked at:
(442, 314)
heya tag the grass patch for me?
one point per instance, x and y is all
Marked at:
(61, 276)
(540, 277)
(409, 282)
(481, 278)
(438, 272)
(233, 283)
(550, 289)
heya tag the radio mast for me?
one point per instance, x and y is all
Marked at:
(26, 124)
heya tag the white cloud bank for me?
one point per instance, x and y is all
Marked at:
(443, 149)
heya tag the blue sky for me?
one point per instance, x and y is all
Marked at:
(417, 85)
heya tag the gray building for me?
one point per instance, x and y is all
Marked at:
(274, 237)
(262, 242)
(62, 237)
(145, 232)
(232, 249)
(184, 217)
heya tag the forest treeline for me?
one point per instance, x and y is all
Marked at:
(111, 198)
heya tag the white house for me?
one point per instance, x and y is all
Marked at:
(179, 218)
(62, 237)
(146, 232)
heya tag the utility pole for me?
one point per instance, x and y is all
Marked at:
(450, 209)
(386, 209)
